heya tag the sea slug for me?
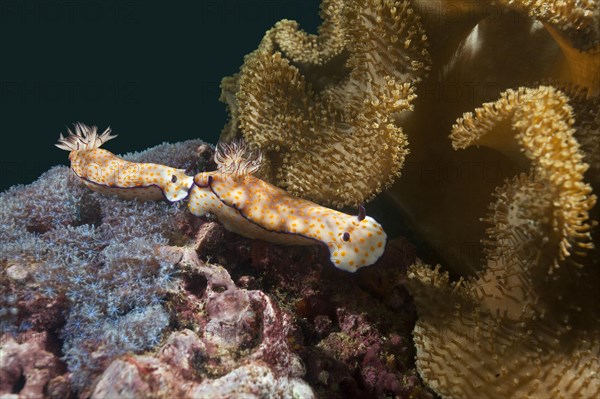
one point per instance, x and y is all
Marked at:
(103, 171)
(256, 209)
(244, 203)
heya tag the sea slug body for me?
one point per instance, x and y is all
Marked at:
(103, 171)
(256, 209)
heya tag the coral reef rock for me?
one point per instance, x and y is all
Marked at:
(240, 349)
(104, 297)
(89, 270)
(354, 330)
(28, 369)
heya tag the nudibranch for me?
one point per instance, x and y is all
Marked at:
(103, 171)
(256, 209)
(242, 202)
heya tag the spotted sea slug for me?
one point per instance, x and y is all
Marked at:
(244, 203)
(103, 171)
(256, 209)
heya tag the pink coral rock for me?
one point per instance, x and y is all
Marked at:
(26, 367)
(240, 349)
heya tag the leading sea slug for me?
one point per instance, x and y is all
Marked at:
(242, 202)
(256, 209)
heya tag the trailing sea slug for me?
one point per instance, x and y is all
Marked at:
(256, 209)
(102, 171)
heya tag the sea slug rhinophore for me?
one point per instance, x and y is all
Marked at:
(102, 171)
(256, 209)
(243, 203)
